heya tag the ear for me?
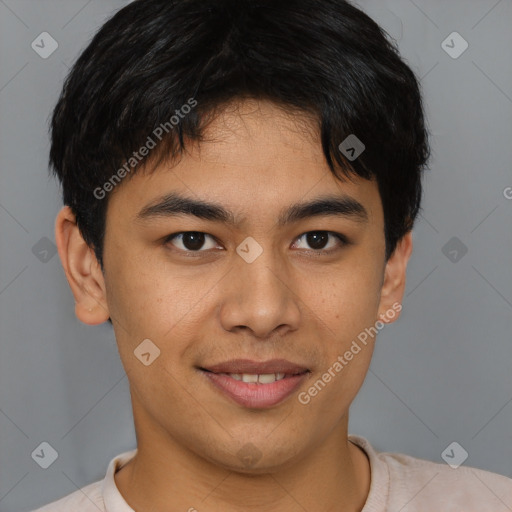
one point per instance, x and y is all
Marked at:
(393, 285)
(82, 270)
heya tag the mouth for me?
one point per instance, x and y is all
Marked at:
(256, 385)
(258, 378)
(250, 367)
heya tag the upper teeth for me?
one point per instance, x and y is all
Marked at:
(264, 378)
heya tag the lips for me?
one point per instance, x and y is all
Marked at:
(247, 366)
(256, 384)
(255, 395)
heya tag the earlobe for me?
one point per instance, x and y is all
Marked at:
(393, 286)
(82, 270)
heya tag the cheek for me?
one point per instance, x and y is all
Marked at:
(151, 299)
(139, 287)
(347, 298)
(345, 311)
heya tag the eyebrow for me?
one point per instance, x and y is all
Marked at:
(175, 204)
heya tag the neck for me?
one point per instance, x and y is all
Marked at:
(166, 475)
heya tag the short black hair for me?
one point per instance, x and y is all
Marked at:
(154, 57)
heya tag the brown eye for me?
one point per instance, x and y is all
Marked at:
(318, 240)
(190, 241)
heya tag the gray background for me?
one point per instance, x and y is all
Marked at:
(442, 373)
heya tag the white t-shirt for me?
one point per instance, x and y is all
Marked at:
(398, 483)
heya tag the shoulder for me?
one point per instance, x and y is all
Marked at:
(86, 499)
(416, 485)
(433, 484)
(98, 496)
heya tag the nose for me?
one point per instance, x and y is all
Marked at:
(260, 297)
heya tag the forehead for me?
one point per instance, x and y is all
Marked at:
(253, 157)
(260, 124)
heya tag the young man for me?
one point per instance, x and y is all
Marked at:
(240, 181)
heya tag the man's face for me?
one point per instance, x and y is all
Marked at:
(305, 298)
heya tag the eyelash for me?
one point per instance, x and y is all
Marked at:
(340, 237)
